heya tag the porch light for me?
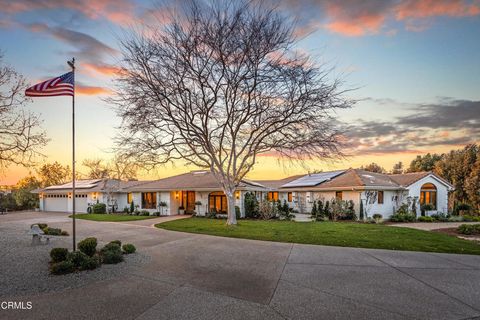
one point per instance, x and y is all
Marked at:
(94, 196)
(237, 195)
(176, 195)
(69, 195)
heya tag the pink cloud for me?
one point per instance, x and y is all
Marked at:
(418, 9)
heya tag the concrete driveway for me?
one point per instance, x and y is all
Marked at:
(189, 276)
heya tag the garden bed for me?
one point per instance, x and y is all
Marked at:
(114, 217)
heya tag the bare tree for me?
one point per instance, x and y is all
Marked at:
(119, 168)
(220, 85)
(97, 169)
(21, 137)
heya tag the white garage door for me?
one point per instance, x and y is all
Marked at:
(56, 202)
(81, 204)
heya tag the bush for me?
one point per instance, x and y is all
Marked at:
(40, 225)
(99, 208)
(251, 205)
(402, 217)
(455, 219)
(469, 218)
(88, 246)
(63, 267)
(425, 219)
(237, 212)
(112, 246)
(117, 242)
(52, 231)
(128, 248)
(64, 233)
(58, 254)
(377, 217)
(440, 217)
(112, 256)
(469, 229)
(90, 263)
(144, 213)
(77, 258)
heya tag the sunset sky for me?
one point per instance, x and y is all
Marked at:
(416, 64)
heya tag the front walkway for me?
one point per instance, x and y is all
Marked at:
(431, 225)
(189, 276)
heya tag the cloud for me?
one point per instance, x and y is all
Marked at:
(85, 45)
(103, 69)
(91, 90)
(446, 123)
(368, 17)
(117, 11)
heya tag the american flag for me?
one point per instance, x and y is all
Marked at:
(59, 86)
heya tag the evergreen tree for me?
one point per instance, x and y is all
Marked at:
(285, 207)
(327, 209)
(321, 211)
(314, 212)
(361, 210)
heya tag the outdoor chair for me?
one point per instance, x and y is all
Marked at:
(37, 235)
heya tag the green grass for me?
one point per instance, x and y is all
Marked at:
(329, 233)
(111, 217)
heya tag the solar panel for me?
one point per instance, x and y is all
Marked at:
(80, 184)
(313, 179)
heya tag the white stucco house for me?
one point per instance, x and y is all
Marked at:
(199, 192)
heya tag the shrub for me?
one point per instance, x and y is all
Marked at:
(52, 231)
(58, 254)
(128, 248)
(237, 212)
(77, 258)
(62, 267)
(88, 246)
(125, 209)
(144, 213)
(469, 218)
(112, 246)
(117, 242)
(402, 217)
(40, 225)
(440, 217)
(112, 256)
(425, 219)
(469, 229)
(99, 208)
(251, 205)
(455, 219)
(90, 263)
(64, 233)
(377, 217)
(132, 207)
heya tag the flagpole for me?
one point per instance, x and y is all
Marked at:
(72, 65)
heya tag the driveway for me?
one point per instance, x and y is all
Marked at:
(185, 276)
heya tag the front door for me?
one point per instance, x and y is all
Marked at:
(188, 201)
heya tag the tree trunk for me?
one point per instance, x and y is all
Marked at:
(232, 217)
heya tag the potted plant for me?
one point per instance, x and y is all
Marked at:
(181, 210)
(197, 205)
(427, 209)
(162, 205)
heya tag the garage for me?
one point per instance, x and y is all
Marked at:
(81, 203)
(56, 202)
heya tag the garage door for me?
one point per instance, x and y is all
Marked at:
(81, 204)
(56, 202)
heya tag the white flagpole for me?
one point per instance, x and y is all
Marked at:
(72, 65)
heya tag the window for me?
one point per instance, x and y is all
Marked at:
(428, 195)
(129, 197)
(290, 197)
(149, 200)
(272, 196)
(380, 197)
(339, 195)
(217, 201)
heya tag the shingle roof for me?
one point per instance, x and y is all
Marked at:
(406, 179)
(188, 181)
(92, 185)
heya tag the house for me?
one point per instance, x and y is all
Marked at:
(380, 193)
(198, 191)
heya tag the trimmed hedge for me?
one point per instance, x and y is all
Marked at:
(62, 267)
(88, 246)
(58, 254)
(78, 258)
(128, 248)
(99, 208)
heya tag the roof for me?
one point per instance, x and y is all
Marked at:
(91, 185)
(275, 184)
(194, 180)
(313, 179)
(407, 179)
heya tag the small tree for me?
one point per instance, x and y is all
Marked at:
(220, 85)
(251, 205)
(320, 209)
(132, 207)
(314, 212)
(327, 209)
(362, 217)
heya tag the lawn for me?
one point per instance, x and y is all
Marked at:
(111, 217)
(329, 233)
